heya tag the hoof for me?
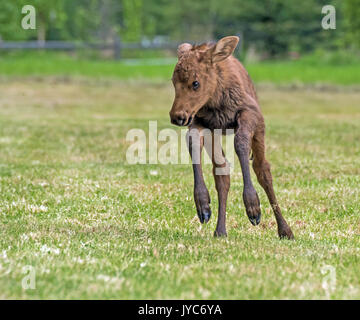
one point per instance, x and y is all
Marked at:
(286, 233)
(255, 221)
(202, 202)
(204, 216)
(218, 234)
(252, 206)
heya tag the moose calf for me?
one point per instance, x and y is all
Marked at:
(214, 91)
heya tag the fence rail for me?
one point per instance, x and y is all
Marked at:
(116, 46)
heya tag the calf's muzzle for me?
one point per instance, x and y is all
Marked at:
(180, 118)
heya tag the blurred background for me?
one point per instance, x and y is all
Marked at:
(139, 32)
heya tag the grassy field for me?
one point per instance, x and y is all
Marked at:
(93, 226)
(316, 69)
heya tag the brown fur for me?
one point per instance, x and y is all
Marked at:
(225, 99)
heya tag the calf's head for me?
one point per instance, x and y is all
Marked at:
(195, 77)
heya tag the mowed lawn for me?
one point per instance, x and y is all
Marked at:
(92, 226)
(326, 68)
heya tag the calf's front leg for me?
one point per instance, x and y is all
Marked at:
(195, 143)
(221, 172)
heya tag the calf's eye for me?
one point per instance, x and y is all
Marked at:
(195, 85)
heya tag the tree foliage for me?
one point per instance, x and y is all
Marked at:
(272, 27)
(352, 22)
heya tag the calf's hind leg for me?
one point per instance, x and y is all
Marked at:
(242, 143)
(262, 169)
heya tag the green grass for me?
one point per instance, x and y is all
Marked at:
(293, 72)
(45, 64)
(93, 226)
(316, 69)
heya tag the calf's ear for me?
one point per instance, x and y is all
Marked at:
(224, 48)
(182, 48)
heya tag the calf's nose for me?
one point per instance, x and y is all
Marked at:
(179, 119)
